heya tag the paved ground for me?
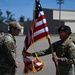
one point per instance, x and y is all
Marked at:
(49, 69)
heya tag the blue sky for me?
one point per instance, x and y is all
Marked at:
(25, 7)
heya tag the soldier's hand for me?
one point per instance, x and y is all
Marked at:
(55, 58)
(17, 64)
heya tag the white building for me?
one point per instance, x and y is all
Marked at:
(68, 16)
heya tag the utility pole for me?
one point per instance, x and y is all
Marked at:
(60, 2)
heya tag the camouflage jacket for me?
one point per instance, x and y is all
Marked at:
(7, 52)
(65, 52)
(11, 43)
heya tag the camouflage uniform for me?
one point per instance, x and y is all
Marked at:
(10, 39)
(67, 55)
(8, 65)
(7, 62)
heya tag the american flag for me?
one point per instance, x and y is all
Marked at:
(38, 30)
(39, 27)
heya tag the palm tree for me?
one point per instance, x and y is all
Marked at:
(9, 17)
(2, 18)
(21, 19)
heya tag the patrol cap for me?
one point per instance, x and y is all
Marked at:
(15, 25)
(65, 28)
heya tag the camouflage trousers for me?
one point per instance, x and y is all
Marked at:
(66, 70)
(8, 74)
(3, 73)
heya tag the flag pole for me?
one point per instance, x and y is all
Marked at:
(56, 65)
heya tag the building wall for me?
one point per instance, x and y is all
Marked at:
(68, 16)
(3, 27)
(53, 24)
(72, 25)
(65, 14)
(27, 25)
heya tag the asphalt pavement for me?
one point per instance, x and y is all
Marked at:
(49, 68)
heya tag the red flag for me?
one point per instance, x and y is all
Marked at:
(38, 31)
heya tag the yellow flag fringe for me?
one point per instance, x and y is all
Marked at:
(39, 59)
(33, 68)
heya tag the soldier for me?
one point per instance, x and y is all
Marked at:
(8, 60)
(64, 52)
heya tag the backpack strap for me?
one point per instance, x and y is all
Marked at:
(69, 41)
(2, 38)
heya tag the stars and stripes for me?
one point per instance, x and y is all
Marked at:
(38, 30)
(39, 27)
(32, 65)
